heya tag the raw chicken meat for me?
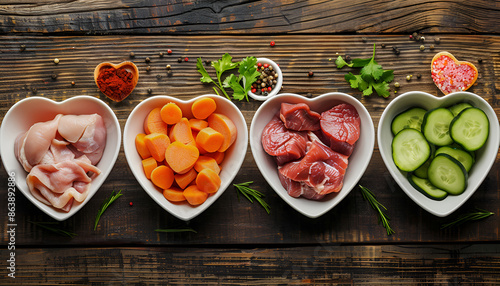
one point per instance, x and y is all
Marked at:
(286, 145)
(299, 117)
(341, 127)
(60, 156)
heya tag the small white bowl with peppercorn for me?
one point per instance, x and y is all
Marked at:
(270, 81)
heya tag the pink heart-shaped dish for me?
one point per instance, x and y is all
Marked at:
(29, 111)
(358, 161)
(230, 166)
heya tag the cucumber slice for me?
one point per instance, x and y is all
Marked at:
(447, 174)
(457, 108)
(436, 126)
(462, 156)
(411, 118)
(470, 129)
(421, 172)
(410, 150)
(425, 187)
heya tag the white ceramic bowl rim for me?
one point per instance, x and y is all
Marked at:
(279, 82)
(233, 159)
(358, 161)
(428, 101)
(30, 106)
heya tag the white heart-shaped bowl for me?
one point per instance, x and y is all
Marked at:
(233, 158)
(358, 161)
(31, 110)
(485, 157)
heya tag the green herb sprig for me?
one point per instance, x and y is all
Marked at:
(372, 76)
(382, 217)
(250, 193)
(186, 229)
(105, 205)
(240, 87)
(59, 231)
(467, 217)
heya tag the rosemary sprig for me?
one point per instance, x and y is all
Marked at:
(105, 205)
(471, 216)
(187, 229)
(382, 217)
(53, 229)
(250, 193)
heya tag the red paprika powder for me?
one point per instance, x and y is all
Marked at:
(115, 83)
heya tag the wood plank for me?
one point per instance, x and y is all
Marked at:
(229, 221)
(256, 17)
(316, 265)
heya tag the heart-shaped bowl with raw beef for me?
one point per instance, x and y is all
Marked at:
(25, 113)
(357, 161)
(229, 167)
(484, 158)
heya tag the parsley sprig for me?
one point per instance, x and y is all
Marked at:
(250, 193)
(382, 217)
(372, 76)
(45, 225)
(246, 70)
(467, 217)
(105, 205)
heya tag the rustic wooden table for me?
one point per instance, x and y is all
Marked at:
(238, 242)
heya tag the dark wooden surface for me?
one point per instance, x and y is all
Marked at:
(237, 242)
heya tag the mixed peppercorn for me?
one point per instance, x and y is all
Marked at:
(267, 80)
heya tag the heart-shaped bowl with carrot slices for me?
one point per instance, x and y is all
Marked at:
(438, 202)
(29, 111)
(185, 154)
(305, 171)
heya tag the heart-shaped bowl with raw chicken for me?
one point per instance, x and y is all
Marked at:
(59, 153)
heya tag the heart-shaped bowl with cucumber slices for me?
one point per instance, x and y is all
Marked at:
(439, 150)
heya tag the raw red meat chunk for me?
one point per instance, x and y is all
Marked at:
(321, 170)
(341, 127)
(299, 117)
(286, 145)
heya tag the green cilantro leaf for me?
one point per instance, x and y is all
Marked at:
(205, 77)
(224, 64)
(372, 76)
(238, 90)
(340, 62)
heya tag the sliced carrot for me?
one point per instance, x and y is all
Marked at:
(218, 156)
(141, 147)
(208, 181)
(183, 180)
(149, 164)
(174, 194)
(203, 107)
(171, 113)
(197, 124)
(181, 157)
(205, 162)
(157, 144)
(153, 122)
(195, 196)
(162, 176)
(225, 126)
(181, 132)
(209, 139)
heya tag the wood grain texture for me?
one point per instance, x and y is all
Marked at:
(229, 221)
(314, 265)
(249, 17)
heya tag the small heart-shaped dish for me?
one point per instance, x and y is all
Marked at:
(450, 74)
(230, 166)
(358, 161)
(22, 115)
(485, 157)
(120, 87)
